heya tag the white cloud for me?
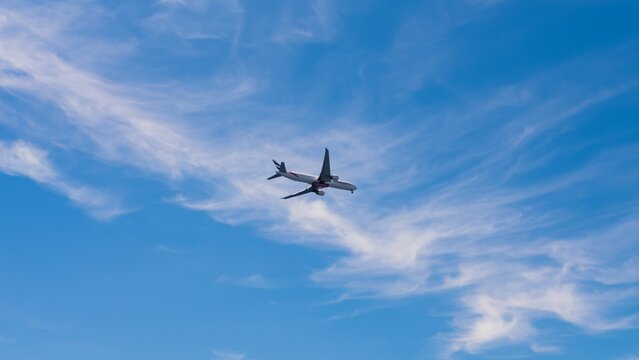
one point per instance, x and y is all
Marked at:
(473, 233)
(317, 24)
(228, 355)
(257, 281)
(21, 158)
(167, 249)
(545, 349)
(505, 314)
(198, 19)
(24, 159)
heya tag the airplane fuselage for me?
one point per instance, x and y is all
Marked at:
(325, 179)
(312, 180)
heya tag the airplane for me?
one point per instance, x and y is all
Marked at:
(324, 180)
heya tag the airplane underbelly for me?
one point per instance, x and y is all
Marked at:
(340, 185)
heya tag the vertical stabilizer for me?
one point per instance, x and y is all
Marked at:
(281, 167)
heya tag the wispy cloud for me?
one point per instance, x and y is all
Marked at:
(317, 24)
(197, 19)
(24, 159)
(545, 349)
(477, 229)
(228, 355)
(630, 357)
(257, 281)
(168, 249)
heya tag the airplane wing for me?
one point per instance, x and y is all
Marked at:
(305, 191)
(325, 175)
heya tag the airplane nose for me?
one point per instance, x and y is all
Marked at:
(354, 187)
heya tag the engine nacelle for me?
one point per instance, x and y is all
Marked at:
(320, 192)
(334, 177)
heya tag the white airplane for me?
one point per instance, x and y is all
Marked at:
(324, 180)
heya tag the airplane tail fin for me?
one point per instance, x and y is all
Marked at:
(281, 167)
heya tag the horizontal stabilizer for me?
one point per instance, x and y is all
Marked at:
(274, 176)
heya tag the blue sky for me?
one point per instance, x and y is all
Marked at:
(494, 143)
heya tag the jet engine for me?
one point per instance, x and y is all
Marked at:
(334, 177)
(320, 192)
